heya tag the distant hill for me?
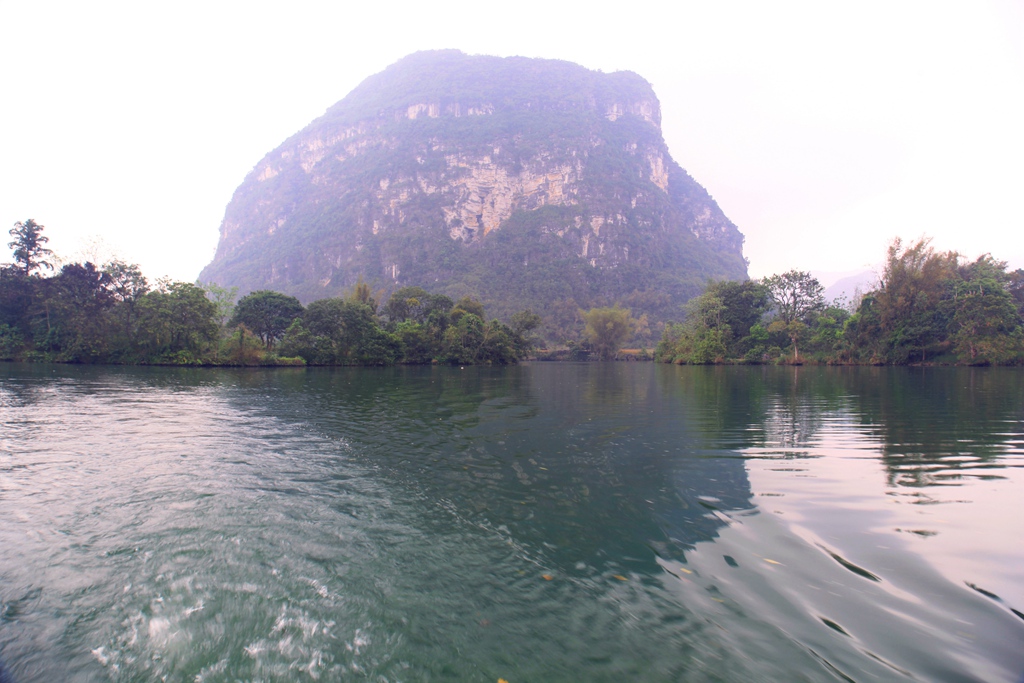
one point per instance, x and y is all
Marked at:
(523, 182)
(852, 285)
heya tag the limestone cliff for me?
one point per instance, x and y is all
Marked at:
(523, 182)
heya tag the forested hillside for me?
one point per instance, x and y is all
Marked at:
(524, 183)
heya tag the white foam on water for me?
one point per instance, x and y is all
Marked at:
(359, 641)
(101, 655)
(159, 627)
(314, 665)
(214, 671)
(254, 650)
(189, 611)
(133, 623)
(320, 588)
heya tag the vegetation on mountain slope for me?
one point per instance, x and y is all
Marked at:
(520, 182)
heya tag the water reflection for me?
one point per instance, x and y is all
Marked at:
(607, 470)
(590, 463)
(938, 426)
(930, 426)
(906, 478)
(542, 522)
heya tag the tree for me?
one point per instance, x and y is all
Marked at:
(607, 329)
(468, 305)
(1015, 285)
(827, 334)
(463, 339)
(702, 337)
(564, 322)
(336, 331)
(985, 325)
(267, 314)
(743, 305)
(522, 325)
(223, 299)
(177, 323)
(499, 346)
(403, 303)
(362, 294)
(11, 342)
(242, 347)
(78, 306)
(127, 285)
(416, 304)
(18, 293)
(29, 252)
(797, 296)
(907, 302)
(125, 281)
(418, 343)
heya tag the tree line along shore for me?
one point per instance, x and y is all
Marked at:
(928, 307)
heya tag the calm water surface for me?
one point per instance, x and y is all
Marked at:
(547, 522)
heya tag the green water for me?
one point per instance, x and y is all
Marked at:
(547, 522)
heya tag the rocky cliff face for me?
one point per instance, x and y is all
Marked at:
(522, 182)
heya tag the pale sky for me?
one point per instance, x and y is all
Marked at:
(823, 129)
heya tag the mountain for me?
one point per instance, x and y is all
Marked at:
(852, 286)
(526, 183)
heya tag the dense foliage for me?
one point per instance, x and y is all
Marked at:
(85, 314)
(607, 330)
(928, 306)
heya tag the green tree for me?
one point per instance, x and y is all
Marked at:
(794, 331)
(985, 325)
(242, 347)
(29, 253)
(463, 339)
(607, 329)
(417, 341)
(642, 331)
(757, 345)
(77, 314)
(744, 303)
(564, 322)
(827, 332)
(11, 342)
(177, 323)
(522, 326)
(906, 319)
(403, 303)
(416, 304)
(223, 299)
(499, 345)
(337, 331)
(468, 305)
(362, 294)
(702, 338)
(1015, 286)
(665, 350)
(127, 285)
(18, 295)
(266, 314)
(797, 297)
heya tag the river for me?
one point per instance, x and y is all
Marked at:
(544, 522)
